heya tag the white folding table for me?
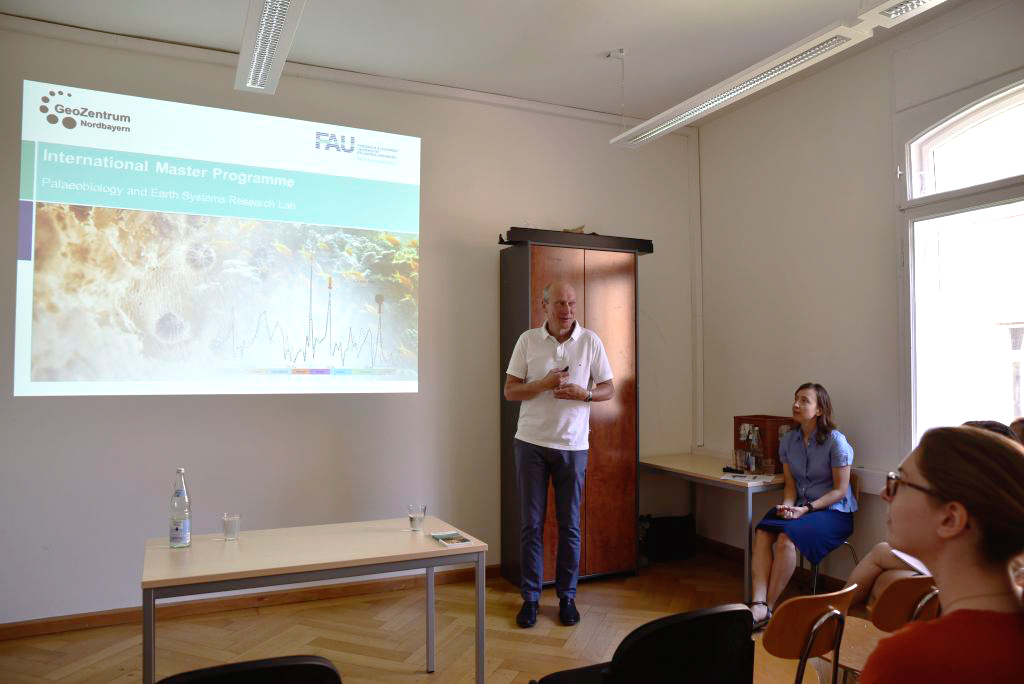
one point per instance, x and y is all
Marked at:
(261, 558)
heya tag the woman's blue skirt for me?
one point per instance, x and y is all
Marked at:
(814, 534)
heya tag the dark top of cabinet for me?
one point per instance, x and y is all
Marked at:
(521, 236)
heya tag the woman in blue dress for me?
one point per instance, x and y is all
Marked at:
(816, 513)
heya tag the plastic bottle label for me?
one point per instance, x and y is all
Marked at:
(181, 531)
(179, 492)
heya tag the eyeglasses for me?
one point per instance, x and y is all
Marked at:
(894, 480)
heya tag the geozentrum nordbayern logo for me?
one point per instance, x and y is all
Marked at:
(68, 121)
(58, 109)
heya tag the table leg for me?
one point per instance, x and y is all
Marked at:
(481, 603)
(430, 619)
(148, 637)
(746, 549)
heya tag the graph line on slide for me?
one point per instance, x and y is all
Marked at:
(356, 344)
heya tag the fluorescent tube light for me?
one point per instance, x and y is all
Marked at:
(737, 90)
(757, 77)
(891, 12)
(783, 64)
(901, 8)
(270, 27)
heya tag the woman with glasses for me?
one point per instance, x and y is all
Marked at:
(884, 564)
(957, 503)
(816, 513)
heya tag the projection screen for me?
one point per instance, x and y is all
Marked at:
(167, 248)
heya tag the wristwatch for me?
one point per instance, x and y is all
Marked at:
(810, 507)
(590, 396)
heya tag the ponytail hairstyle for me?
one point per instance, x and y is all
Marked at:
(984, 472)
(825, 425)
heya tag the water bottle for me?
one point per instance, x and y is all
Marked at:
(181, 513)
(756, 452)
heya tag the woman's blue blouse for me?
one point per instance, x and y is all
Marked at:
(811, 466)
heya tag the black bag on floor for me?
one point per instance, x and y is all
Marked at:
(669, 537)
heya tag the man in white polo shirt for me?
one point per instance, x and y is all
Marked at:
(550, 372)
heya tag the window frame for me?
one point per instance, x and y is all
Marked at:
(967, 116)
(909, 124)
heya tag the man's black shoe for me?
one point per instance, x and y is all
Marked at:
(567, 612)
(527, 616)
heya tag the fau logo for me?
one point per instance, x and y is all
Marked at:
(329, 141)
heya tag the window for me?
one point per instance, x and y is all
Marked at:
(981, 144)
(1016, 331)
(967, 266)
(968, 286)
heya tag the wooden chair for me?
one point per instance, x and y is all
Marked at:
(905, 600)
(710, 645)
(808, 626)
(281, 670)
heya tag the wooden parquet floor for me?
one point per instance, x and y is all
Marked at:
(380, 637)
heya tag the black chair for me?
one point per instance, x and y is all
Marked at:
(815, 566)
(710, 645)
(302, 669)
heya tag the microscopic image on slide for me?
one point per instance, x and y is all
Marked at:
(138, 295)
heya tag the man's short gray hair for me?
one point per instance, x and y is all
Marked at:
(546, 292)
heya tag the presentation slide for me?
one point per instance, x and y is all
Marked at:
(167, 248)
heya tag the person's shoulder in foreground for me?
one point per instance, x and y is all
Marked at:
(964, 646)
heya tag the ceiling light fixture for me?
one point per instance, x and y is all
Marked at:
(737, 90)
(270, 27)
(901, 8)
(780, 65)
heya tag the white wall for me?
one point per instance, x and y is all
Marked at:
(802, 239)
(85, 480)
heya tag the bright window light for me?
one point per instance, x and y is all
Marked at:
(968, 316)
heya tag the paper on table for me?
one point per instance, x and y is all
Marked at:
(744, 477)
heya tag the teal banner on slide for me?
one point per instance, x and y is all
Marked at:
(108, 178)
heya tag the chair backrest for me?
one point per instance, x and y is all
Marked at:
(791, 624)
(855, 485)
(906, 599)
(281, 670)
(710, 645)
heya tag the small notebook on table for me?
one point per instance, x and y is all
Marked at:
(451, 538)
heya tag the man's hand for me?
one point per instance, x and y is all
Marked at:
(517, 390)
(554, 379)
(571, 391)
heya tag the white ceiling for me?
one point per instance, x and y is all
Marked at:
(548, 51)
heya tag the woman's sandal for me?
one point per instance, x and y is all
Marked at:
(763, 622)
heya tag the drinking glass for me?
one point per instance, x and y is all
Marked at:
(416, 513)
(232, 523)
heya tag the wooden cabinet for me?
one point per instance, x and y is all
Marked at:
(602, 270)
